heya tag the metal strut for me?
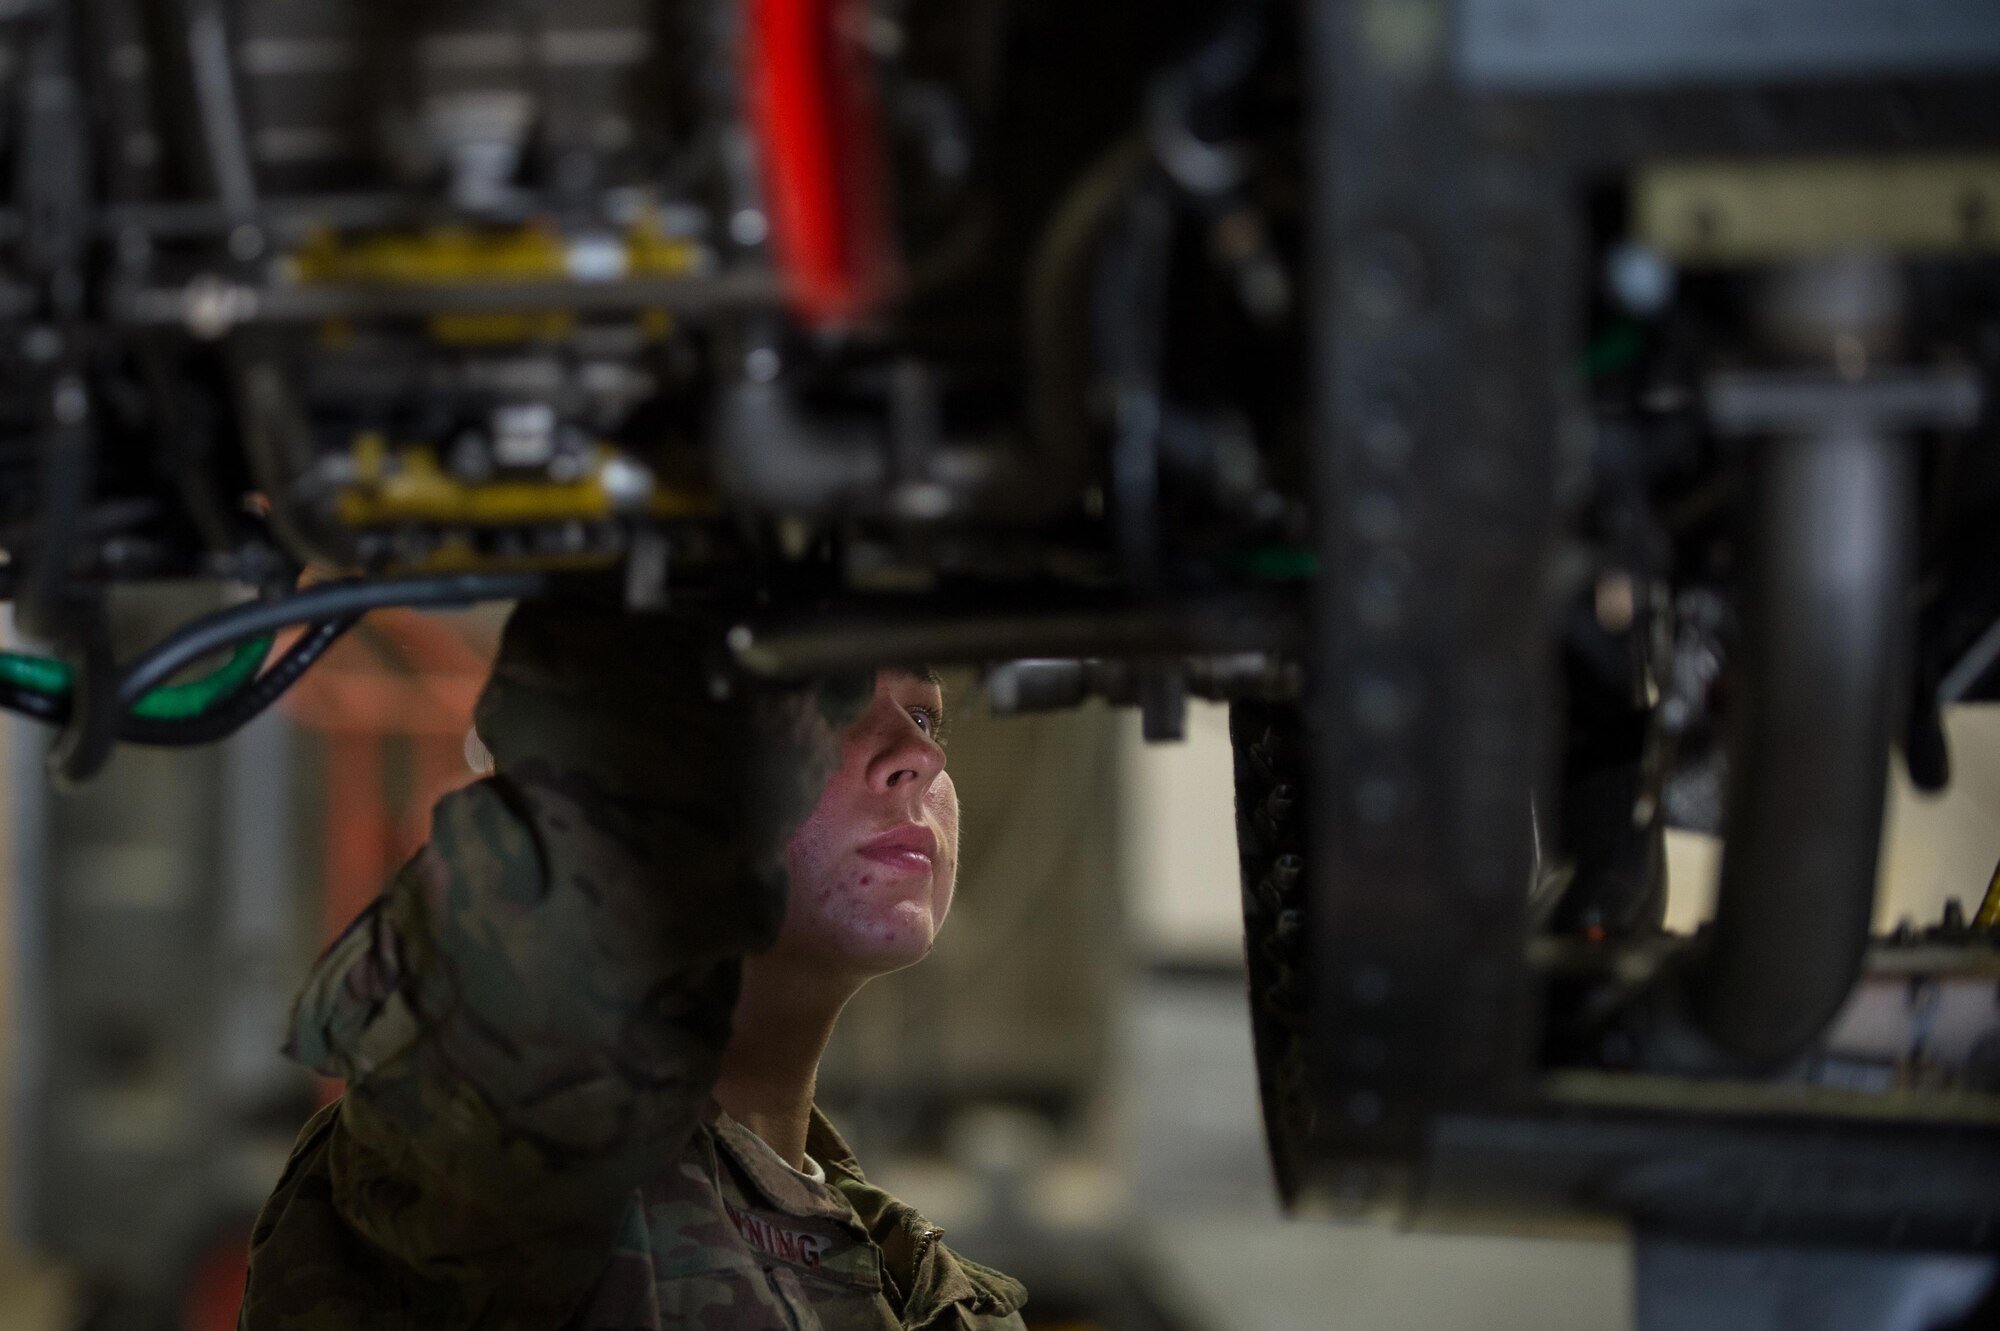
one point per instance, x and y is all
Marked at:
(1831, 553)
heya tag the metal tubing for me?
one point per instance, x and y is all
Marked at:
(768, 451)
(831, 641)
(1833, 530)
(281, 303)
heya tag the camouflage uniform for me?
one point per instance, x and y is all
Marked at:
(530, 1020)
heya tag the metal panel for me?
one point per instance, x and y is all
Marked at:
(1557, 45)
(1730, 1163)
(1752, 212)
(1436, 237)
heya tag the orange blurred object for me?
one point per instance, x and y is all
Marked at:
(215, 1285)
(401, 677)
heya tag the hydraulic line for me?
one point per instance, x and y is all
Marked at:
(1830, 565)
(92, 721)
(48, 708)
(1829, 561)
(252, 701)
(332, 600)
(41, 674)
(225, 714)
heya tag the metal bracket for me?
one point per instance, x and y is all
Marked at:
(1791, 402)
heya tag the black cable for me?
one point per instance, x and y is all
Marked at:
(331, 607)
(219, 722)
(246, 705)
(350, 597)
(85, 743)
(48, 708)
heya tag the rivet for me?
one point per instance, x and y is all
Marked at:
(1382, 589)
(1388, 277)
(1377, 798)
(1379, 705)
(1388, 437)
(1378, 517)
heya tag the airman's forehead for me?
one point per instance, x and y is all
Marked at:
(922, 673)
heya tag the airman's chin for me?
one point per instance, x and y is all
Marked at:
(899, 935)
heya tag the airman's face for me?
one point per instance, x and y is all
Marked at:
(873, 866)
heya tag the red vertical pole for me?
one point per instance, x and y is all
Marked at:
(357, 826)
(439, 768)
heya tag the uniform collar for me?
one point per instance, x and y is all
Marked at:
(928, 1277)
(825, 1144)
(781, 1186)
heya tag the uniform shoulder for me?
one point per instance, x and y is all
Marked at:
(994, 1291)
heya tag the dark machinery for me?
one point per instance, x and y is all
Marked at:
(1543, 420)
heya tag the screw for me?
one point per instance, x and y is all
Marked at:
(922, 501)
(1379, 596)
(627, 484)
(749, 227)
(763, 365)
(246, 243)
(1377, 798)
(1388, 438)
(41, 345)
(71, 402)
(215, 305)
(1378, 517)
(1380, 705)
(1640, 279)
(1388, 278)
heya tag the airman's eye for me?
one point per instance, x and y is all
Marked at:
(928, 720)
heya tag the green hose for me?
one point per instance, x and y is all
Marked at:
(169, 702)
(35, 672)
(1274, 563)
(1617, 347)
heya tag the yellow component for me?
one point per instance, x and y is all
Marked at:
(654, 255)
(1717, 213)
(449, 255)
(371, 451)
(442, 254)
(1988, 914)
(417, 489)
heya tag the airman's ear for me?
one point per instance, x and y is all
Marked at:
(477, 756)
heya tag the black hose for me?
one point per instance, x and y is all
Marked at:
(245, 706)
(1128, 322)
(86, 742)
(48, 708)
(1059, 354)
(81, 751)
(219, 722)
(1831, 554)
(333, 600)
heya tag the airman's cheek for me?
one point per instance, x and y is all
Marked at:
(941, 802)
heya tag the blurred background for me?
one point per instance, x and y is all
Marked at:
(1066, 1086)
